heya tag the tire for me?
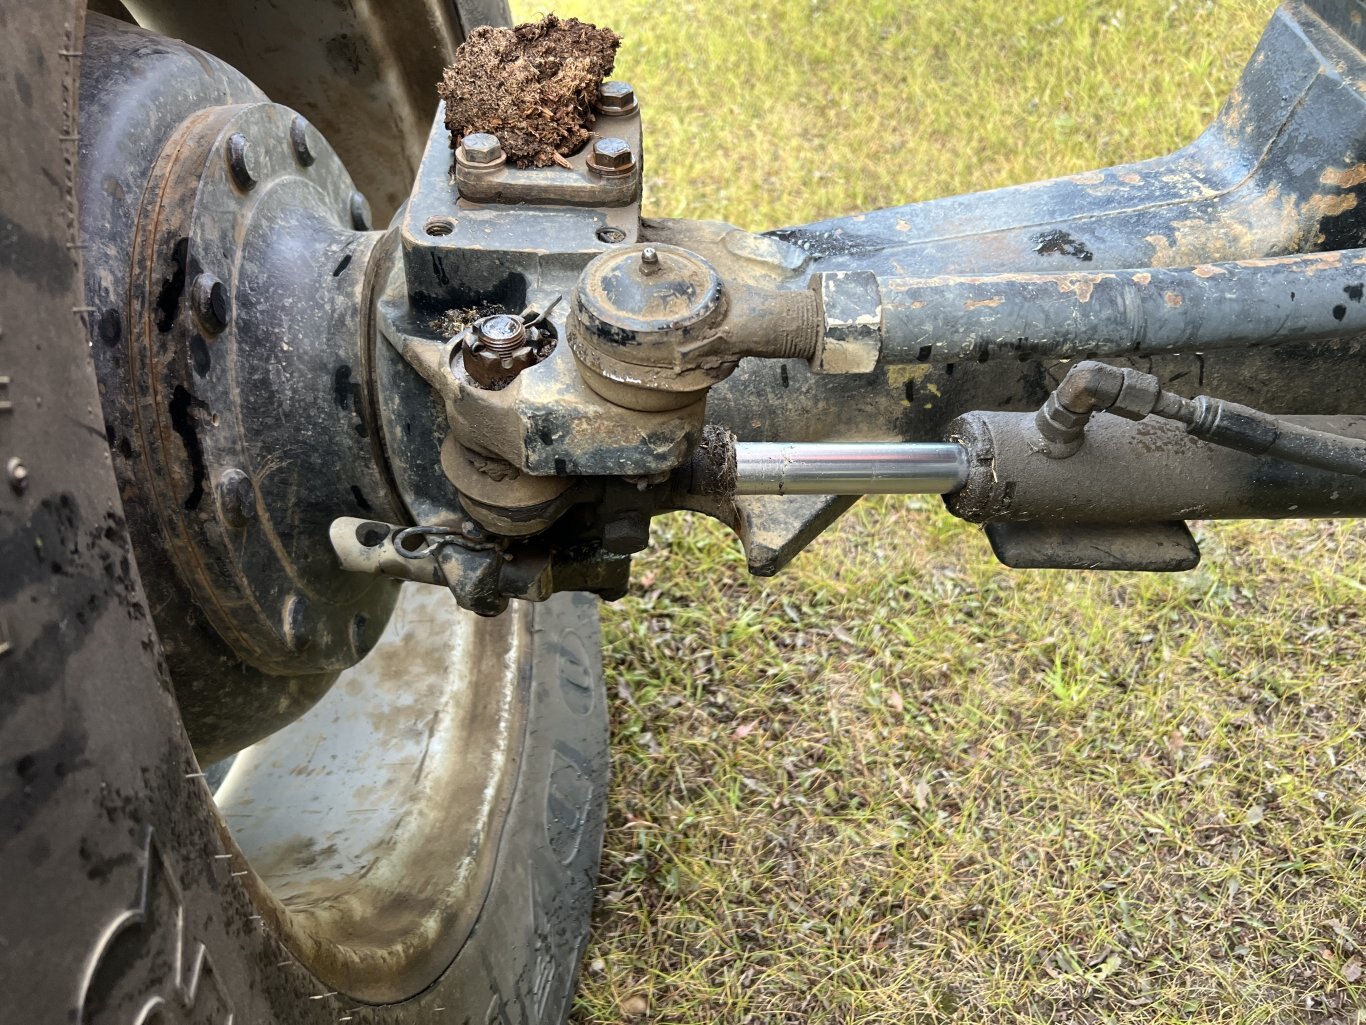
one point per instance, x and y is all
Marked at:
(133, 895)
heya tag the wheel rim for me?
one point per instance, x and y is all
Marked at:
(369, 827)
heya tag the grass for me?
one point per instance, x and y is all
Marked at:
(900, 783)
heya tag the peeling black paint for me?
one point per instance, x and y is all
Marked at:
(109, 328)
(181, 408)
(348, 394)
(1057, 241)
(172, 287)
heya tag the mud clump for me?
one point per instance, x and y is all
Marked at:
(533, 86)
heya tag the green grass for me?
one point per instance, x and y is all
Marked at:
(900, 783)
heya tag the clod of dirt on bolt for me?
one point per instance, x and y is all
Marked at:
(533, 86)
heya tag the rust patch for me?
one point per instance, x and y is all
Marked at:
(919, 304)
(1089, 178)
(1347, 178)
(1081, 285)
(1143, 279)
(902, 224)
(1206, 270)
(977, 304)
(1131, 178)
(1173, 299)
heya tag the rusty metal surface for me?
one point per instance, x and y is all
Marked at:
(572, 184)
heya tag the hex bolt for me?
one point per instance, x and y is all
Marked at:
(649, 260)
(302, 138)
(360, 212)
(611, 158)
(481, 149)
(241, 161)
(17, 473)
(616, 99)
(360, 635)
(209, 298)
(236, 497)
(295, 616)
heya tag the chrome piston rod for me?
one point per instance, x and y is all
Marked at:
(849, 468)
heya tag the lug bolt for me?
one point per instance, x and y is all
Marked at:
(360, 635)
(360, 212)
(611, 158)
(209, 297)
(236, 497)
(297, 634)
(241, 161)
(18, 474)
(616, 99)
(481, 149)
(301, 140)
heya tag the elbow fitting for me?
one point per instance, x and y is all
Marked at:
(1091, 387)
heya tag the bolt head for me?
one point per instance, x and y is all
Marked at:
(236, 497)
(481, 148)
(303, 140)
(209, 297)
(611, 156)
(242, 163)
(17, 473)
(616, 98)
(295, 621)
(360, 212)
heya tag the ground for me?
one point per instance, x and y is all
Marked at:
(900, 783)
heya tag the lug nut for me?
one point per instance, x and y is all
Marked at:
(295, 616)
(18, 474)
(616, 99)
(611, 158)
(301, 140)
(360, 212)
(481, 150)
(241, 161)
(649, 260)
(209, 297)
(236, 497)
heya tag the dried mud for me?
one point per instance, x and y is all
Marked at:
(532, 86)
